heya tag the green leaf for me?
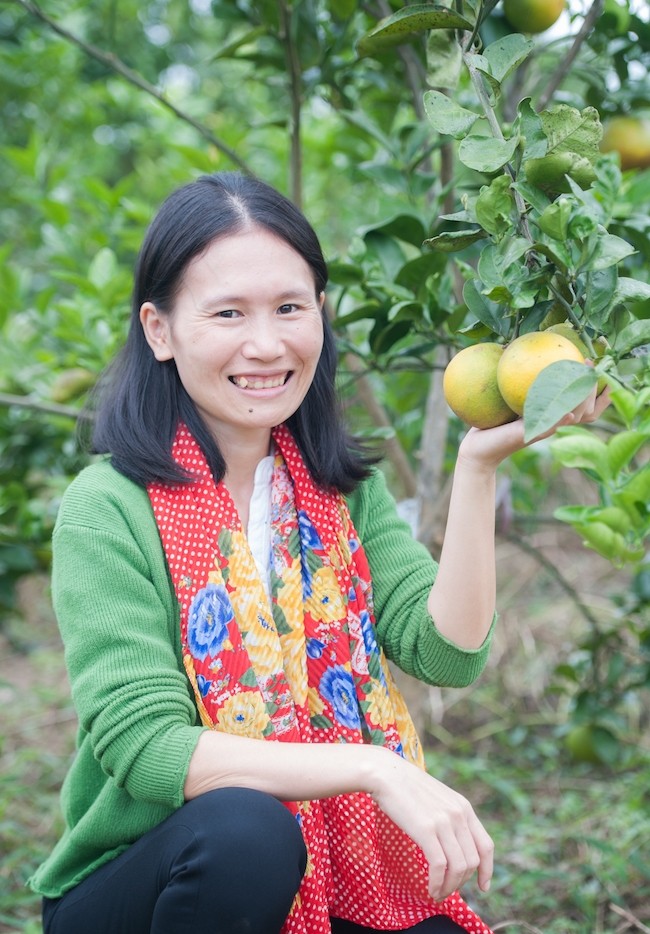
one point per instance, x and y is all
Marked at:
(486, 312)
(622, 448)
(610, 250)
(631, 290)
(446, 116)
(577, 447)
(407, 24)
(570, 130)
(494, 206)
(554, 222)
(405, 227)
(555, 392)
(450, 241)
(485, 154)
(506, 54)
(414, 274)
(103, 268)
(633, 335)
(610, 544)
(444, 59)
(529, 127)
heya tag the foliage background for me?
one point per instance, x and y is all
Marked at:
(105, 107)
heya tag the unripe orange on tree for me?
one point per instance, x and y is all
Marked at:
(600, 345)
(470, 386)
(630, 138)
(525, 358)
(532, 16)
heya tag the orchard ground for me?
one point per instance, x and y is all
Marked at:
(571, 838)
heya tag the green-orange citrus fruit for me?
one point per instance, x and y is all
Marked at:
(526, 357)
(470, 386)
(600, 345)
(630, 138)
(549, 172)
(532, 16)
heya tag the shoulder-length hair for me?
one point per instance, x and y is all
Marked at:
(140, 401)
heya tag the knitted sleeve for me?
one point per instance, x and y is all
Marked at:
(403, 572)
(118, 622)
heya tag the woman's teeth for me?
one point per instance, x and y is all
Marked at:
(245, 382)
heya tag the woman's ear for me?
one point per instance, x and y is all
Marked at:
(156, 331)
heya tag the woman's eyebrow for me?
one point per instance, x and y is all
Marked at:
(212, 301)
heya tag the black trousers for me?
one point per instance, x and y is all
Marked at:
(227, 862)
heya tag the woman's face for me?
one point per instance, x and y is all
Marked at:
(245, 332)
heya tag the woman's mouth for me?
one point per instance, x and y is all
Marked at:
(259, 382)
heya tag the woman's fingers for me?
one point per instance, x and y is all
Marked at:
(460, 848)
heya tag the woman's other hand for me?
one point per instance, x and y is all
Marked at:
(437, 818)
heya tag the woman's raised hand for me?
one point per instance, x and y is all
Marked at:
(486, 448)
(437, 818)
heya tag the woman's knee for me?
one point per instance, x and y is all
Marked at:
(241, 825)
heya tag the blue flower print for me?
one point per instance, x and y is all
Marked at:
(209, 616)
(368, 630)
(308, 534)
(315, 648)
(337, 687)
(203, 684)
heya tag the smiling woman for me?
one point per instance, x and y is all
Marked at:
(230, 581)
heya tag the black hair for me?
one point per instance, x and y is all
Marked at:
(140, 401)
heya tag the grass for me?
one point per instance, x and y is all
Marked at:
(572, 839)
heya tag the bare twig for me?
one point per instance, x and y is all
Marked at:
(554, 572)
(50, 408)
(635, 922)
(133, 77)
(567, 61)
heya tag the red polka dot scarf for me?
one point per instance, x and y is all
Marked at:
(302, 666)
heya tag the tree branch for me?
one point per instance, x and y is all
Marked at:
(565, 63)
(50, 408)
(554, 573)
(295, 91)
(117, 65)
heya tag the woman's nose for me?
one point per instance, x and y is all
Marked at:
(263, 340)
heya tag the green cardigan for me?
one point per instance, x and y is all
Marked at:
(119, 621)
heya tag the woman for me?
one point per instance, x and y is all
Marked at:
(229, 584)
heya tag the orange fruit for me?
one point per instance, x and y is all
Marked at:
(630, 138)
(525, 358)
(532, 16)
(470, 386)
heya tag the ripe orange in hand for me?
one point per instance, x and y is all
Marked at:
(532, 16)
(470, 386)
(526, 357)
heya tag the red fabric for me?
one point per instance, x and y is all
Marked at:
(304, 667)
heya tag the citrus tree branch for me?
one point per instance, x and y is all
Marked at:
(49, 408)
(133, 77)
(554, 572)
(566, 63)
(295, 94)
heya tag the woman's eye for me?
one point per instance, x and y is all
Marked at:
(227, 313)
(285, 309)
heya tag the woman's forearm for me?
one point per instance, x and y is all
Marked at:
(462, 600)
(289, 771)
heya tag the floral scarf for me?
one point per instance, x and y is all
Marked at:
(302, 666)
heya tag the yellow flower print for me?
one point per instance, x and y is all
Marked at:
(325, 603)
(290, 594)
(263, 649)
(316, 704)
(380, 711)
(243, 714)
(295, 668)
